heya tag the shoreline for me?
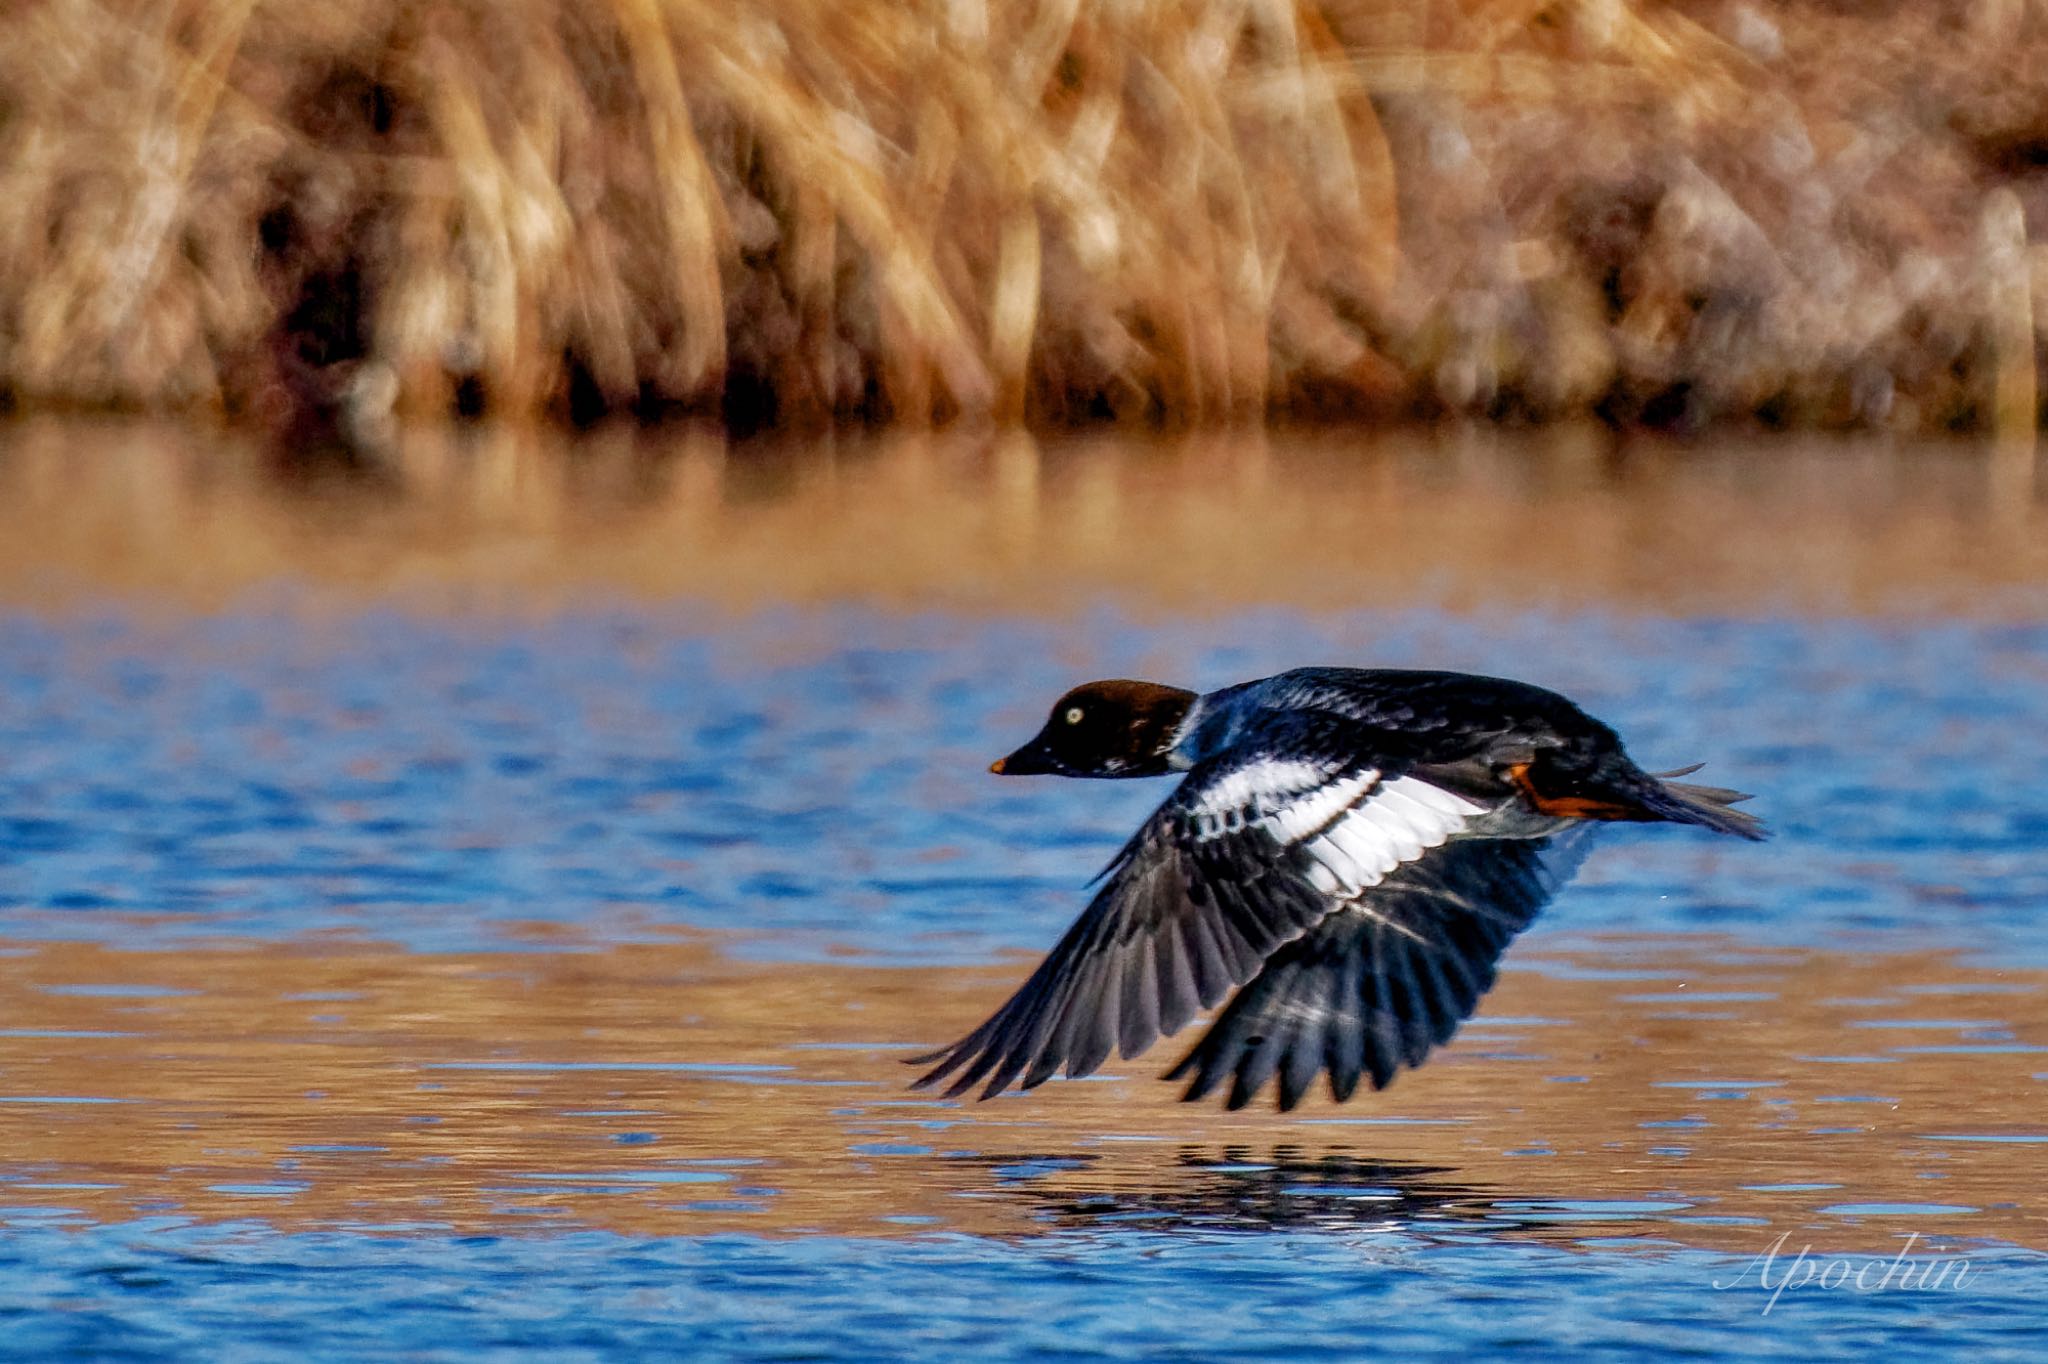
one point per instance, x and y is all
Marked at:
(1671, 216)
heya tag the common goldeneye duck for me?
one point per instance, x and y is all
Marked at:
(1350, 851)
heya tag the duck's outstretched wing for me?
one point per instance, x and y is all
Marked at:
(1376, 984)
(1250, 852)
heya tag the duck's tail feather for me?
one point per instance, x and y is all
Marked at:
(1710, 807)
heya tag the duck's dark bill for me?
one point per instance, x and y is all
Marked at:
(1028, 761)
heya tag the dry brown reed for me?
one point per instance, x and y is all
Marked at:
(1816, 213)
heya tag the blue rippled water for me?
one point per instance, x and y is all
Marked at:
(228, 1294)
(813, 784)
(818, 778)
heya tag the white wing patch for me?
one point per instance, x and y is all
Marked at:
(1392, 825)
(1355, 829)
(1308, 815)
(1263, 790)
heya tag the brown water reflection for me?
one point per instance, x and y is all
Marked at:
(1686, 1088)
(1309, 519)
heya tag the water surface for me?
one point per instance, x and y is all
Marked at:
(479, 903)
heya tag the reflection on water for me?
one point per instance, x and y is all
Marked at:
(470, 977)
(1308, 521)
(1702, 1092)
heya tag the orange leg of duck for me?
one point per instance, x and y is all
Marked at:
(1569, 807)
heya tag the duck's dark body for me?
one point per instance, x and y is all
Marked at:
(1354, 848)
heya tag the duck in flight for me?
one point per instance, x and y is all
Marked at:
(1350, 851)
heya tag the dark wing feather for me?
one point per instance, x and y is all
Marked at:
(1191, 908)
(1377, 984)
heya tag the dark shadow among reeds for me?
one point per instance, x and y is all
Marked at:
(791, 211)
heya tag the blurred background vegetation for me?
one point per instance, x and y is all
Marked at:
(1667, 212)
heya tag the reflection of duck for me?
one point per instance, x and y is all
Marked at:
(1354, 848)
(1239, 1188)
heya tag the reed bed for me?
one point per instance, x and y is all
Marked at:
(792, 211)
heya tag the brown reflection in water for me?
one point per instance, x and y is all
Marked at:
(665, 1088)
(1324, 519)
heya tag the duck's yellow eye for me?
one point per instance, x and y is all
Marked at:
(1073, 715)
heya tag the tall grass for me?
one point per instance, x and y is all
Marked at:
(1175, 209)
